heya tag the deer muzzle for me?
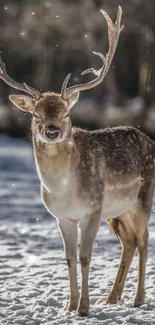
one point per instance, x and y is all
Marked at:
(52, 133)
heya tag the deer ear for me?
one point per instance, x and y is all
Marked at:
(25, 103)
(72, 99)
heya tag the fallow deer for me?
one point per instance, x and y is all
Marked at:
(88, 176)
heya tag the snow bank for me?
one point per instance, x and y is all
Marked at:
(34, 284)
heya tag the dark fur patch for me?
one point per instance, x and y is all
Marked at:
(84, 261)
(115, 225)
(122, 272)
(68, 262)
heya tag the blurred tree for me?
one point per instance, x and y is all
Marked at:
(42, 41)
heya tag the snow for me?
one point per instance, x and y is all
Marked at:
(34, 282)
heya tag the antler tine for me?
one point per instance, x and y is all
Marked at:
(113, 36)
(4, 76)
(92, 70)
(64, 87)
(34, 92)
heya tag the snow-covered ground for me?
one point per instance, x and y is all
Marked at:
(34, 285)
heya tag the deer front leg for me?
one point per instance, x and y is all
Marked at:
(69, 234)
(89, 227)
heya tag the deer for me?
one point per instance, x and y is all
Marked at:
(89, 176)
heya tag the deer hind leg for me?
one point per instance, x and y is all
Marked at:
(140, 214)
(139, 220)
(69, 234)
(142, 243)
(123, 229)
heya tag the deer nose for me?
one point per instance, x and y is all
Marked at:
(52, 132)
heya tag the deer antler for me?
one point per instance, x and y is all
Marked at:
(24, 87)
(113, 35)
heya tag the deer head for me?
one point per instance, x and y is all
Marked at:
(50, 111)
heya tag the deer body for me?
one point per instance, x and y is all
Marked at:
(69, 170)
(88, 176)
(91, 176)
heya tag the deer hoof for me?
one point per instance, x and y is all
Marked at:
(139, 300)
(138, 303)
(83, 313)
(83, 309)
(112, 300)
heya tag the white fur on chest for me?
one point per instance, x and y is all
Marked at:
(65, 206)
(60, 197)
(57, 184)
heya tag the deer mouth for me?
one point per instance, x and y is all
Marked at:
(52, 133)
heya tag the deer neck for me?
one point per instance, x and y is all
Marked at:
(53, 160)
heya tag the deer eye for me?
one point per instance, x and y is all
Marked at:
(67, 115)
(36, 116)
